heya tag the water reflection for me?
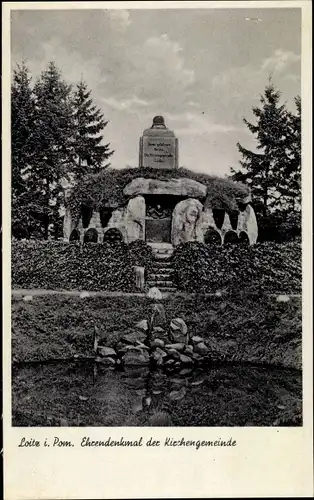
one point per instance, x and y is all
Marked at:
(74, 394)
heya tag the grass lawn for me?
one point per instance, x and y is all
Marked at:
(254, 329)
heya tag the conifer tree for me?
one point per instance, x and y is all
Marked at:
(53, 136)
(22, 125)
(90, 153)
(289, 183)
(263, 167)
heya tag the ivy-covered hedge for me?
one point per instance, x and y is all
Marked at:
(106, 188)
(266, 267)
(63, 266)
(141, 254)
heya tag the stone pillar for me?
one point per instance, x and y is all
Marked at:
(81, 230)
(95, 223)
(139, 277)
(67, 224)
(67, 220)
(247, 223)
(134, 219)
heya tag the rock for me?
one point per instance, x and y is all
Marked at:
(174, 353)
(185, 359)
(154, 293)
(185, 371)
(178, 324)
(158, 329)
(134, 219)
(282, 298)
(188, 349)
(130, 347)
(197, 382)
(136, 358)
(178, 330)
(178, 346)
(201, 348)
(131, 338)
(141, 345)
(142, 325)
(158, 343)
(119, 346)
(106, 351)
(105, 361)
(169, 362)
(196, 339)
(27, 298)
(185, 222)
(180, 187)
(161, 352)
(176, 395)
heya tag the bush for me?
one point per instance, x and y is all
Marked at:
(106, 188)
(68, 266)
(266, 267)
(279, 227)
(141, 254)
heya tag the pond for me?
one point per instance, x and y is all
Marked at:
(79, 394)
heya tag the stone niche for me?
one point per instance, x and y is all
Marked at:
(158, 146)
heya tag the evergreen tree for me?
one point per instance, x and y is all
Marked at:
(263, 168)
(22, 125)
(90, 153)
(54, 152)
(289, 182)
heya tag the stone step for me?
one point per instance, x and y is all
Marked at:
(168, 290)
(163, 262)
(163, 250)
(158, 284)
(161, 256)
(160, 276)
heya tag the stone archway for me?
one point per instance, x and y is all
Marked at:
(91, 236)
(212, 237)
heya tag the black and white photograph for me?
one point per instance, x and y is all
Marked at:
(156, 218)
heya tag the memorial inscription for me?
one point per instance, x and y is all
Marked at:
(158, 146)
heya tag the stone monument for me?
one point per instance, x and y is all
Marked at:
(158, 146)
(164, 209)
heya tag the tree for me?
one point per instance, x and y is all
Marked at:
(54, 150)
(90, 153)
(265, 168)
(22, 125)
(289, 182)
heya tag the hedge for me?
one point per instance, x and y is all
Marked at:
(69, 266)
(265, 267)
(106, 188)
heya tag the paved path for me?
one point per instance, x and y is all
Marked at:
(18, 292)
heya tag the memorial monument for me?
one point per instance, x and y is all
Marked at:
(168, 209)
(158, 146)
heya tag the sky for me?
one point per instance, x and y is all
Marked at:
(202, 69)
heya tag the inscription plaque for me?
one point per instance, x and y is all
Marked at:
(158, 146)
